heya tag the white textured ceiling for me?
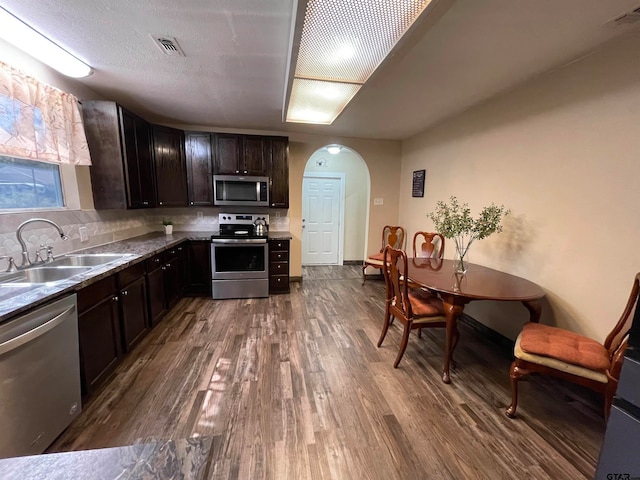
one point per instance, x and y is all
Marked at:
(234, 72)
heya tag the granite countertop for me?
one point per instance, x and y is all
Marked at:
(280, 236)
(15, 300)
(171, 459)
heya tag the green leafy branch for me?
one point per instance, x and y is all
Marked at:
(453, 220)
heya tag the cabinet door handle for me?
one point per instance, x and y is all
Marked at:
(191, 203)
(124, 293)
(114, 298)
(164, 268)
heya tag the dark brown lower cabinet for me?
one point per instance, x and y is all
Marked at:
(278, 266)
(198, 266)
(156, 288)
(115, 313)
(174, 275)
(99, 332)
(133, 305)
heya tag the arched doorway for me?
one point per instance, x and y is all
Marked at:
(335, 202)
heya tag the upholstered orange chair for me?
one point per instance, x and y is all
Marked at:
(391, 235)
(572, 357)
(413, 308)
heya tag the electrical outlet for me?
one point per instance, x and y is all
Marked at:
(199, 216)
(84, 234)
(277, 214)
(378, 201)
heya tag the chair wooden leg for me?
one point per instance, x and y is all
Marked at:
(364, 277)
(387, 321)
(419, 333)
(403, 345)
(515, 374)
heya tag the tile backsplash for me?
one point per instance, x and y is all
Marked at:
(105, 226)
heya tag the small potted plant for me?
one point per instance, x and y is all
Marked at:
(168, 226)
(454, 221)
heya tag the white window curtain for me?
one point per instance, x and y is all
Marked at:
(39, 122)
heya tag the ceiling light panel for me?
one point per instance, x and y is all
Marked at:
(346, 40)
(319, 102)
(33, 43)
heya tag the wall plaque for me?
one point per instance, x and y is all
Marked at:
(418, 183)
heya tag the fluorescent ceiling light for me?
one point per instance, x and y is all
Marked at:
(333, 149)
(22, 36)
(340, 45)
(318, 102)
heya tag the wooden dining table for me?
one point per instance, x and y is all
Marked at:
(478, 283)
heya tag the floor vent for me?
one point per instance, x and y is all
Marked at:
(168, 45)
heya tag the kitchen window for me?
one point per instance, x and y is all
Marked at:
(28, 184)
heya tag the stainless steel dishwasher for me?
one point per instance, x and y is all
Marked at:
(39, 377)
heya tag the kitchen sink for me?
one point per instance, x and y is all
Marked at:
(87, 259)
(40, 275)
(60, 269)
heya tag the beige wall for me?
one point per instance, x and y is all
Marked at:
(563, 153)
(382, 158)
(355, 199)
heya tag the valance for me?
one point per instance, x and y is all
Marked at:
(39, 122)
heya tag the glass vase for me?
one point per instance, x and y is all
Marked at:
(461, 257)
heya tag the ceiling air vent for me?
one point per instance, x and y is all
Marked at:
(168, 45)
(630, 17)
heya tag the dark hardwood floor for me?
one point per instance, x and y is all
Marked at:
(294, 387)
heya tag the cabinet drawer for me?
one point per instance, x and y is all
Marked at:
(130, 274)
(279, 268)
(93, 294)
(279, 245)
(279, 256)
(155, 262)
(278, 283)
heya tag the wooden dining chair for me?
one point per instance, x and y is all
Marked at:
(391, 235)
(573, 357)
(428, 245)
(413, 308)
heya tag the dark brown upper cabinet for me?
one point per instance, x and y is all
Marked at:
(199, 168)
(170, 167)
(120, 148)
(254, 160)
(240, 155)
(278, 153)
(226, 159)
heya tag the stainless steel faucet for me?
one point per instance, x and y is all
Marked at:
(25, 254)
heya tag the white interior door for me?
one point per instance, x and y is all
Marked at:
(321, 220)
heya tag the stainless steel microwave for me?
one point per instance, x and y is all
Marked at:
(241, 190)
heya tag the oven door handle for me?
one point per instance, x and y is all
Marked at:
(239, 240)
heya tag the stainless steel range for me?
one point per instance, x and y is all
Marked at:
(240, 256)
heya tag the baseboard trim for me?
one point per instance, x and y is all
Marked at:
(500, 340)
(295, 279)
(352, 262)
